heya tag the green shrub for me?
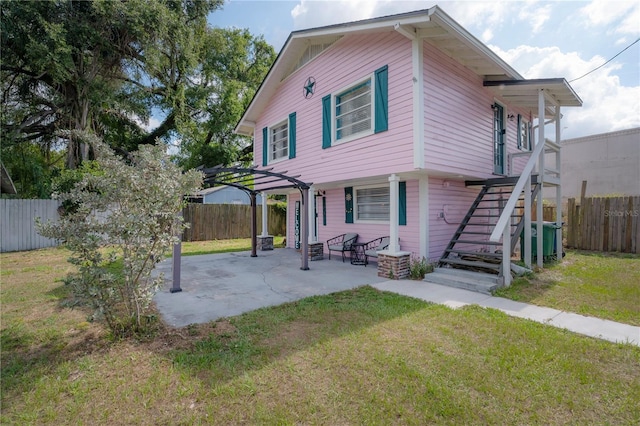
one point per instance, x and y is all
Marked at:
(419, 267)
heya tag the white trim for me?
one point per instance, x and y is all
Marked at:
(394, 190)
(287, 232)
(265, 221)
(423, 214)
(417, 58)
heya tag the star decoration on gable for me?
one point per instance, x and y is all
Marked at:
(309, 87)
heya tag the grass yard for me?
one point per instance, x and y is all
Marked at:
(355, 357)
(603, 285)
(193, 248)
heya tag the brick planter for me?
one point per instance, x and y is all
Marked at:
(316, 251)
(265, 243)
(394, 266)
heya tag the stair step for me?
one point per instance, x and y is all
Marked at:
(474, 233)
(480, 243)
(462, 281)
(483, 265)
(495, 215)
(479, 276)
(475, 253)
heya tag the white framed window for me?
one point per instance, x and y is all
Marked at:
(524, 134)
(353, 112)
(358, 110)
(372, 203)
(279, 141)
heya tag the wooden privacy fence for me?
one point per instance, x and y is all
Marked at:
(548, 213)
(17, 223)
(604, 224)
(224, 221)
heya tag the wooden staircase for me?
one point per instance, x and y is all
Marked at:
(470, 247)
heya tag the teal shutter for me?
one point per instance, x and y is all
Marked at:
(402, 203)
(348, 204)
(326, 122)
(324, 211)
(382, 100)
(265, 146)
(292, 135)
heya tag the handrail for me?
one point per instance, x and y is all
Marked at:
(505, 217)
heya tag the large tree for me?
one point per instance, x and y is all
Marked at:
(108, 66)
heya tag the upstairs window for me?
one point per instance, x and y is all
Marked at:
(524, 134)
(354, 110)
(279, 141)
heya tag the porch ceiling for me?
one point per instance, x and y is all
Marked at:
(524, 93)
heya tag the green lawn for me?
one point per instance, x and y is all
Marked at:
(355, 357)
(601, 285)
(193, 248)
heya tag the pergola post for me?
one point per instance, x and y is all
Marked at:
(254, 224)
(176, 262)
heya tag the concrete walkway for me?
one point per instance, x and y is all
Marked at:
(456, 298)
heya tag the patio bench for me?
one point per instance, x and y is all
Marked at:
(341, 243)
(372, 248)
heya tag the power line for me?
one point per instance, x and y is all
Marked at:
(596, 69)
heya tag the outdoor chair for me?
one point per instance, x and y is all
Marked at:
(372, 248)
(341, 243)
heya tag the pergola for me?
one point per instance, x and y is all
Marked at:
(254, 181)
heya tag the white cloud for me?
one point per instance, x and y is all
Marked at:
(487, 35)
(535, 15)
(607, 12)
(607, 104)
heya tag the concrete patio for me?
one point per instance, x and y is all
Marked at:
(228, 284)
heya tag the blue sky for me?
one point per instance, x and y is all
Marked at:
(538, 38)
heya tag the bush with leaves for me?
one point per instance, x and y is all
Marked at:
(419, 267)
(127, 213)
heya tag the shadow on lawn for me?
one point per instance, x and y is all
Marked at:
(250, 341)
(27, 356)
(214, 352)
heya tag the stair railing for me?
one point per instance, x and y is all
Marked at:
(503, 227)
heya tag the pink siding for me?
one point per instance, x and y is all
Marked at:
(409, 237)
(452, 198)
(347, 61)
(459, 119)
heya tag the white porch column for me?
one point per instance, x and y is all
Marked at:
(265, 222)
(394, 190)
(287, 228)
(559, 187)
(527, 223)
(539, 211)
(423, 213)
(313, 237)
(506, 254)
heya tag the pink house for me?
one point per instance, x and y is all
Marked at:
(400, 122)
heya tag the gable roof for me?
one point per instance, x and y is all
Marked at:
(432, 25)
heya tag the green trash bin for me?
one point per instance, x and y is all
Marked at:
(548, 240)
